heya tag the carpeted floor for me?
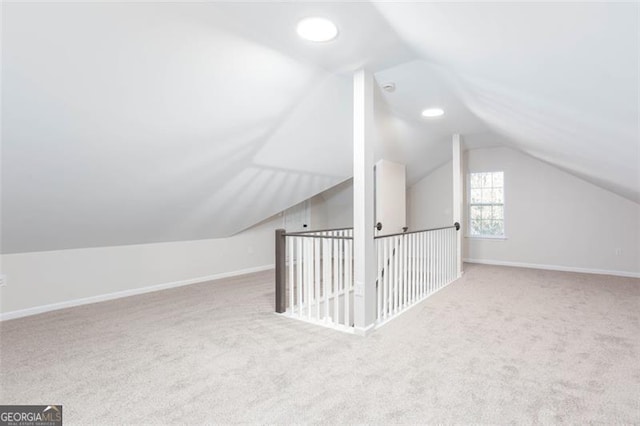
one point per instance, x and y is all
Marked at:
(500, 345)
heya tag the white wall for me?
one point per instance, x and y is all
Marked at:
(36, 279)
(338, 206)
(430, 200)
(318, 212)
(556, 219)
(553, 219)
(391, 192)
(41, 281)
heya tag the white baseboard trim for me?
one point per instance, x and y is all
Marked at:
(555, 268)
(125, 293)
(364, 332)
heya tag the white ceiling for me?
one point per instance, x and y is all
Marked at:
(129, 123)
(558, 81)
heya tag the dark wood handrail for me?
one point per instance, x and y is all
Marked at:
(328, 237)
(455, 225)
(318, 230)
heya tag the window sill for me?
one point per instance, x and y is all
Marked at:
(486, 237)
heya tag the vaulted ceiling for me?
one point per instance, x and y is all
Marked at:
(126, 123)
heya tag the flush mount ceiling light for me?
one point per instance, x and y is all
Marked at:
(389, 87)
(317, 29)
(432, 112)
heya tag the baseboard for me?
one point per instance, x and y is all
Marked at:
(364, 332)
(125, 293)
(555, 268)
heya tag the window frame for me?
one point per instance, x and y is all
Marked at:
(504, 207)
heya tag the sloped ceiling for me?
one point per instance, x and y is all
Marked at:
(558, 81)
(127, 123)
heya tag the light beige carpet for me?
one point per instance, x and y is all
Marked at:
(500, 345)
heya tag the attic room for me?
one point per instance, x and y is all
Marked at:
(320, 212)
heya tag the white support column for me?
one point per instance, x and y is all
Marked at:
(458, 197)
(363, 243)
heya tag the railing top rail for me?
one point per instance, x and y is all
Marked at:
(319, 230)
(456, 226)
(307, 235)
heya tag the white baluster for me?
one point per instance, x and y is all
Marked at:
(347, 282)
(439, 259)
(336, 281)
(445, 259)
(316, 281)
(419, 265)
(299, 262)
(430, 258)
(326, 275)
(403, 299)
(412, 268)
(290, 279)
(379, 282)
(423, 264)
(395, 274)
(414, 272)
(385, 278)
(442, 251)
(450, 256)
(308, 278)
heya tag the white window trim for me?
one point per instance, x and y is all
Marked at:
(502, 237)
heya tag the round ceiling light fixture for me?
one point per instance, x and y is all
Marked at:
(389, 87)
(432, 112)
(317, 29)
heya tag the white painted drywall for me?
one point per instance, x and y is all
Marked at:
(39, 279)
(195, 120)
(43, 278)
(172, 128)
(391, 193)
(318, 213)
(338, 206)
(567, 94)
(553, 218)
(430, 200)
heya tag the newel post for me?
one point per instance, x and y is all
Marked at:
(281, 300)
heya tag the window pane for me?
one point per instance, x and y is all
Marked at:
(498, 179)
(498, 197)
(485, 228)
(486, 180)
(497, 228)
(476, 227)
(486, 196)
(492, 197)
(497, 212)
(476, 212)
(475, 180)
(486, 212)
(486, 204)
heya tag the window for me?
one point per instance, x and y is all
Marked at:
(486, 204)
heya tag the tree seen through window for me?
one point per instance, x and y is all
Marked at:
(486, 204)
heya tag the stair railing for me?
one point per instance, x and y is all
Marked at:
(314, 276)
(413, 265)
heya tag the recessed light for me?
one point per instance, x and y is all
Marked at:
(432, 112)
(389, 87)
(317, 29)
